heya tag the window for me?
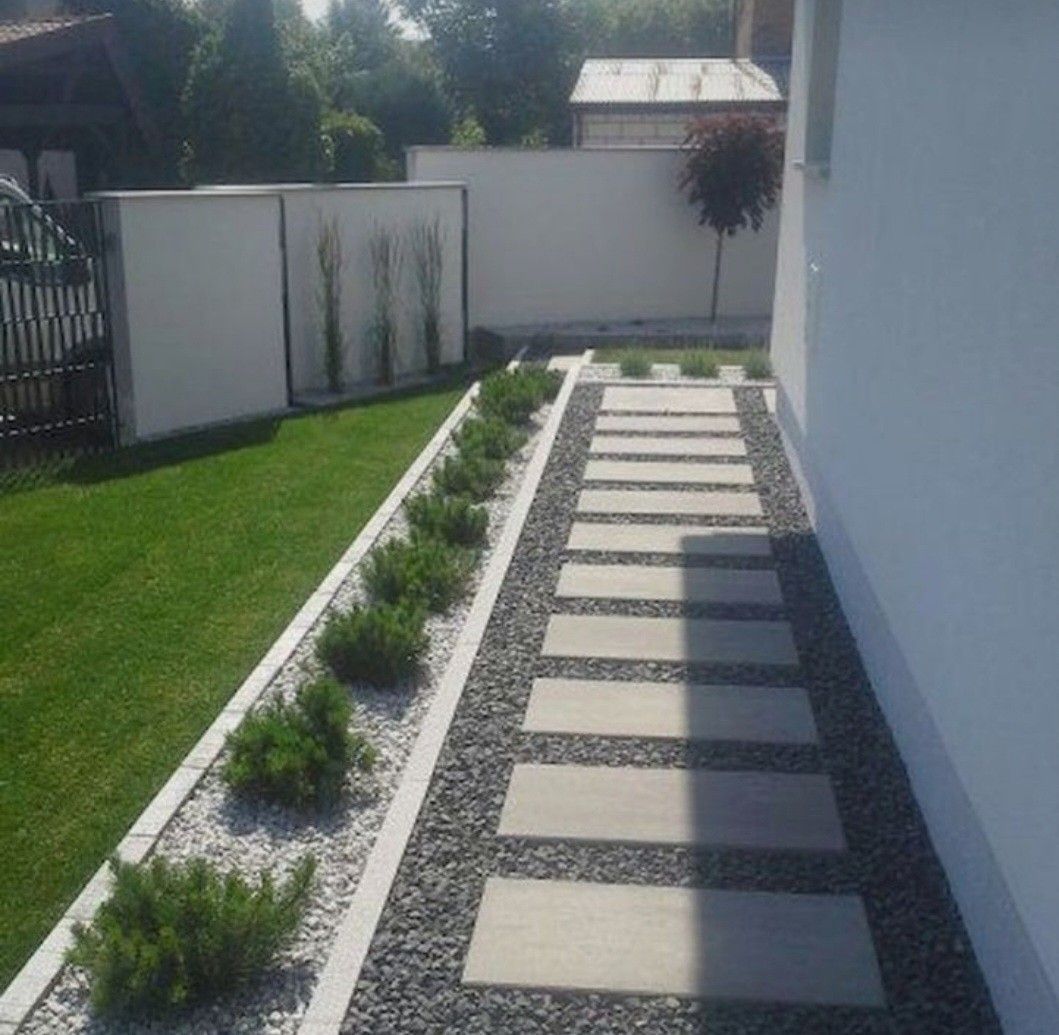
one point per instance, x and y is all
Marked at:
(823, 69)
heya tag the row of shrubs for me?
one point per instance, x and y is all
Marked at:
(172, 935)
(756, 367)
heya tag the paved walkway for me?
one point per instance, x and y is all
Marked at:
(653, 939)
(668, 801)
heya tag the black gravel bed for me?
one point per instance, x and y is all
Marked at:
(709, 521)
(590, 483)
(668, 609)
(670, 458)
(411, 979)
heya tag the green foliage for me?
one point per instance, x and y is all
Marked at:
(698, 364)
(514, 395)
(252, 115)
(634, 364)
(329, 299)
(426, 247)
(382, 645)
(757, 366)
(511, 63)
(452, 519)
(476, 477)
(160, 37)
(353, 147)
(175, 935)
(387, 257)
(489, 437)
(298, 754)
(422, 572)
(467, 132)
(661, 28)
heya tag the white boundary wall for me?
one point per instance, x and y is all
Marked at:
(915, 343)
(197, 309)
(584, 234)
(197, 283)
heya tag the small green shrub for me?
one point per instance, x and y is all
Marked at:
(175, 935)
(514, 395)
(634, 364)
(757, 366)
(489, 437)
(421, 571)
(382, 645)
(476, 477)
(452, 519)
(698, 364)
(298, 754)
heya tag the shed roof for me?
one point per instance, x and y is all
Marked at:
(662, 82)
(15, 32)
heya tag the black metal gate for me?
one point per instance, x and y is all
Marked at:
(56, 359)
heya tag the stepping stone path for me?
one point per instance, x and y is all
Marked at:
(585, 936)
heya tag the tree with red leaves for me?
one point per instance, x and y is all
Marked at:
(733, 172)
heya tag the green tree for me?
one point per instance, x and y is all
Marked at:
(657, 28)
(733, 171)
(253, 115)
(160, 37)
(510, 61)
(353, 148)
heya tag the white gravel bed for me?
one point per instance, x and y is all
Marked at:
(727, 375)
(240, 834)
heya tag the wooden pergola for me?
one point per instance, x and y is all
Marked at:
(66, 85)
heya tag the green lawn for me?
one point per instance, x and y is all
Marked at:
(139, 590)
(724, 357)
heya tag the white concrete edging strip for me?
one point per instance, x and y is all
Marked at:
(40, 971)
(339, 977)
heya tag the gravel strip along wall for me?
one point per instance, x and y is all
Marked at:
(411, 979)
(250, 836)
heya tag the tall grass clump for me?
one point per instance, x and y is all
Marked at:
(176, 935)
(329, 298)
(298, 753)
(489, 437)
(386, 261)
(476, 477)
(426, 243)
(698, 364)
(634, 364)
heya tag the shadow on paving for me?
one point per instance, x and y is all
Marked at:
(411, 981)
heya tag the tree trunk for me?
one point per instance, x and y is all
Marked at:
(716, 278)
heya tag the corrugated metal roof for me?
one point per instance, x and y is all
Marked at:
(13, 32)
(665, 81)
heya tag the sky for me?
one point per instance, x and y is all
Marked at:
(316, 8)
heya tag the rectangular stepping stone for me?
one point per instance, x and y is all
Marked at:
(692, 807)
(647, 501)
(676, 539)
(669, 400)
(664, 424)
(671, 472)
(686, 640)
(691, 585)
(635, 939)
(643, 445)
(680, 711)
(770, 400)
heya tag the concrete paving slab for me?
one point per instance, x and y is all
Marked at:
(666, 424)
(650, 445)
(692, 807)
(685, 540)
(689, 585)
(669, 400)
(669, 472)
(679, 711)
(689, 942)
(686, 640)
(646, 501)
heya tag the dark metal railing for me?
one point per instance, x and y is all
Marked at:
(56, 356)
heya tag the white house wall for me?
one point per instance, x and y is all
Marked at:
(916, 339)
(583, 234)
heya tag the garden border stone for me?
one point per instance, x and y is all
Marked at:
(334, 989)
